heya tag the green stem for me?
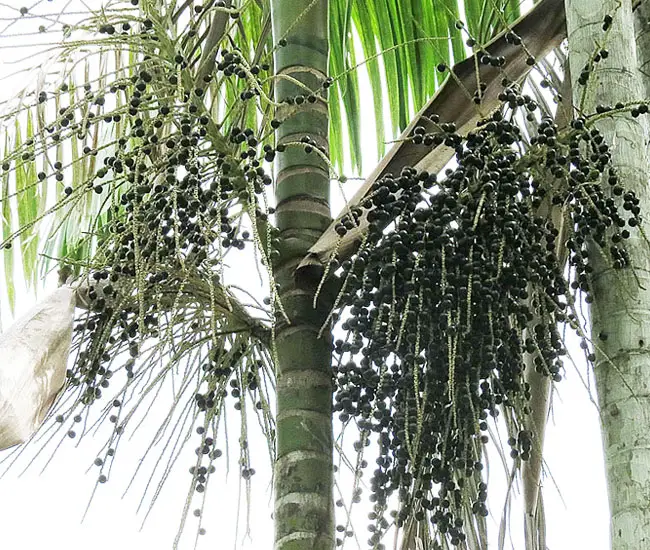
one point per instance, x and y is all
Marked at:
(304, 511)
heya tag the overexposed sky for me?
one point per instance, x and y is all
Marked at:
(44, 509)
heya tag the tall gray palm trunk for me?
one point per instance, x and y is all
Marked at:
(621, 308)
(303, 471)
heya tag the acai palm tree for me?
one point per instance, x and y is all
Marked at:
(164, 151)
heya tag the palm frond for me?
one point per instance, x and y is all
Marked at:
(411, 39)
(400, 42)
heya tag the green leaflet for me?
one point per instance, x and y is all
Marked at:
(27, 200)
(361, 14)
(7, 224)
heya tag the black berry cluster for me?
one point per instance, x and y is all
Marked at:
(461, 276)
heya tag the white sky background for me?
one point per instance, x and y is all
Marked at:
(44, 510)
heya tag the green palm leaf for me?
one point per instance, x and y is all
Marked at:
(408, 39)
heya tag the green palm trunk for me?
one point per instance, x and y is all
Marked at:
(621, 312)
(303, 470)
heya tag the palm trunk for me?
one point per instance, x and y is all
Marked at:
(621, 309)
(304, 512)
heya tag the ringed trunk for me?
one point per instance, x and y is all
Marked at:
(304, 511)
